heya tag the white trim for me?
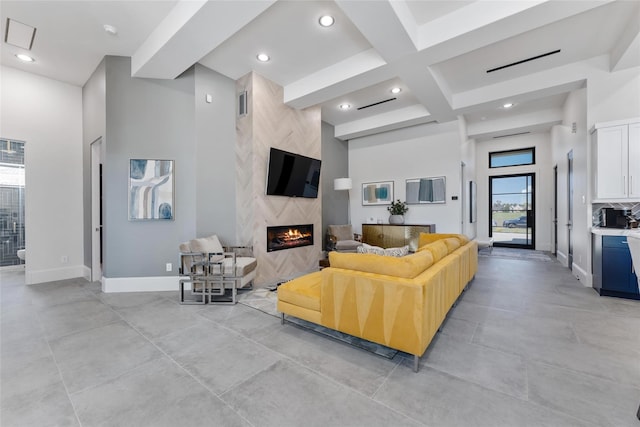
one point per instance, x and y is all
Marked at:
(16, 267)
(562, 258)
(42, 276)
(87, 273)
(139, 284)
(581, 275)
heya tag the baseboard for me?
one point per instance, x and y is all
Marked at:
(42, 276)
(87, 273)
(139, 284)
(580, 274)
(16, 267)
(562, 258)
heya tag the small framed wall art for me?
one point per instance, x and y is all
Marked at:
(151, 189)
(377, 193)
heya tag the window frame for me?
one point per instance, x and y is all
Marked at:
(517, 150)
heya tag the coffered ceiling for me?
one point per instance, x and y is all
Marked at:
(437, 52)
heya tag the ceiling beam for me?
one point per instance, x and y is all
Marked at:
(539, 120)
(357, 72)
(192, 29)
(388, 26)
(626, 52)
(403, 117)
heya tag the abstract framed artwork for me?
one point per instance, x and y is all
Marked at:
(151, 189)
(377, 193)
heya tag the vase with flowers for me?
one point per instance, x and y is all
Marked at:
(397, 210)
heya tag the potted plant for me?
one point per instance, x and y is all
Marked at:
(397, 210)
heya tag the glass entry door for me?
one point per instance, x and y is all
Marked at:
(512, 210)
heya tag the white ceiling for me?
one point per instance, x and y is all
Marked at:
(438, 52)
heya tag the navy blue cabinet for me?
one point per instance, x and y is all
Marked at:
(613, 273)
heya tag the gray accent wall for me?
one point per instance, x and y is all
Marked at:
(93, 127)
(335, 164)
(146, 119)
(215, 159)
(167, 120)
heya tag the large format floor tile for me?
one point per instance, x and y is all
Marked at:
(439, 399)
(289, 395)
(218, 357)
(92, 357)
(158, 394)
(356, 368)
(541, 350)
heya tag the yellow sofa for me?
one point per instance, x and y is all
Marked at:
(397, 302)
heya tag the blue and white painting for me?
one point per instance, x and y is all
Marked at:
(150, 189)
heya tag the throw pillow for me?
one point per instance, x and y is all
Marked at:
(369, 249)
(402, 251)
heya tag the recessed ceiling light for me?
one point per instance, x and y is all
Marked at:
(110, 29)
(25, 58)
(263, 57)
(326, 20)
(345, 106)
(396, 90)
(508, 105)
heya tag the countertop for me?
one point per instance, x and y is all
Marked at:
(614, 231)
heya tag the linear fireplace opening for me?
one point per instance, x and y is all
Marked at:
(289, 236)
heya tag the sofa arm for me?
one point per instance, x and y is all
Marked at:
(383, 309)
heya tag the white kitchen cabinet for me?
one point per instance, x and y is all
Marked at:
(616, 160)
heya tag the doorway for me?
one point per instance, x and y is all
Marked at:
(12, 193)
(96, 210)
(512, 210)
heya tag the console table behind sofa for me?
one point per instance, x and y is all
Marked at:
(393, 236)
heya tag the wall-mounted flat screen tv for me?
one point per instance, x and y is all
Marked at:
(293, 175)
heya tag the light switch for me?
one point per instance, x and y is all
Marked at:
(208, 98)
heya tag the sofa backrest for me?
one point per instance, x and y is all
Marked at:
(426, 238)
(406, 267)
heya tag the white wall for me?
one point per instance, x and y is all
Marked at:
(468, 156)
(47, 115)
(415, 152)
(543, 182)
(563, 141)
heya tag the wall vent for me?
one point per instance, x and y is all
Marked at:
(511, 134)
(523, 61)
(242, 104)
(377, 103)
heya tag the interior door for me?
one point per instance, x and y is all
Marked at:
(570, 208)
(555, 210)
(96, 210)
(512, 210)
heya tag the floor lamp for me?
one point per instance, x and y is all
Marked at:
(344, 184)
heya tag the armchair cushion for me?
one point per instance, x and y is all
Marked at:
(341, 232)
(209, 244)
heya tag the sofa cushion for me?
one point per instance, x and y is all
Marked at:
(426, 238)
(438, 250)
(406, 267)
(452, 243)
(303, 291)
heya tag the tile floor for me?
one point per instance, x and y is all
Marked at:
(527, 345)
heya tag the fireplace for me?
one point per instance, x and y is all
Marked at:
(289, 236)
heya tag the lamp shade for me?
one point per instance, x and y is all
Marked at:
(342, 184)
